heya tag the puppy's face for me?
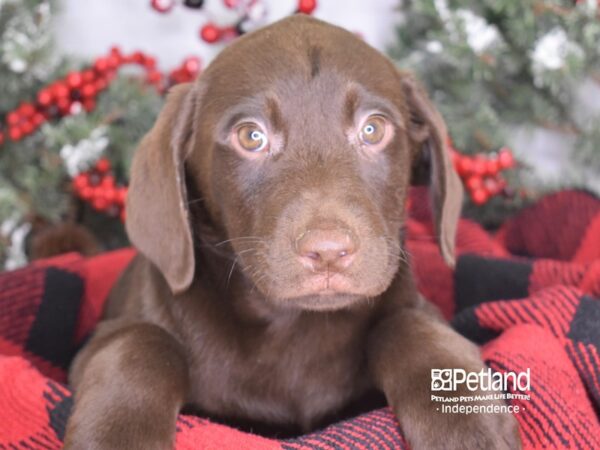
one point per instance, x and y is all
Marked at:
(309, 166)
(300, 139)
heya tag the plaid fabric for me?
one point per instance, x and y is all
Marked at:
(527, 295)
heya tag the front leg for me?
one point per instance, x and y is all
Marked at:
(403, 349)
(130, 382)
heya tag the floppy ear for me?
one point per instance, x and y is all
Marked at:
(427, 131)
(158, 221)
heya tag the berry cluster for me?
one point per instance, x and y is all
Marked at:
(79, 90)
(251, 12)
(481, 175)
(98, 188)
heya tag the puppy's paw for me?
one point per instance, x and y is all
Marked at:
(449, 431)
(132, 441)
(124, 435)
(484, 431)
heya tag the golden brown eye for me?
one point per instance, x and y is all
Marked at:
(252, 138)
(373, 130)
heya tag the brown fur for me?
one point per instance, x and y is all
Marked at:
(227, 310)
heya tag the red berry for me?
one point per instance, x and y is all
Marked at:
(192, 65)
(108, 182)
(44, 97)
(492, 167)
(162, 6)
(474, 182)
(112, 62)
(307, 6)
(98, 190)
(116, 53)
(88, 90)
(27, 127)
(1, 138)
(88, 76)
(465, 166)
(60, 90)
(38, 119)
(122, 195)
(138, 57)
(26, 109)
(101, 65)
(64, 106)
(103, 165)
(153, 77)
(15, 133)
(80, 182)
(86, 193)
(479, 165)
(13, 118)
(99, 203)
(506, 159)
(210, 33)
(110, 195)
(479, 196)
(74, 79)
(149, 62)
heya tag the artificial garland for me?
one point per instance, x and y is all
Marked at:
(79, 90)
(98, 188)
(251, 14)
(481, 174)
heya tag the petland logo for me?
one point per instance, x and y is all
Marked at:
(485, 380)
(493, 392)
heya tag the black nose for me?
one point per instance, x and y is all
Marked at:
(326, 249)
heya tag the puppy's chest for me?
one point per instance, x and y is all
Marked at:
(292, 375)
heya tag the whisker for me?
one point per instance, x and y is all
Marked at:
(196, 200)
(241, 238)
(231, 272)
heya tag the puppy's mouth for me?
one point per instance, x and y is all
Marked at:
(325, 292)
(326, 284)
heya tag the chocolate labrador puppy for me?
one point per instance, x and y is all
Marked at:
(271, 286)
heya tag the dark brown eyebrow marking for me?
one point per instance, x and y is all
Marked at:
(350, 105)
(274, 113)
(314, 56)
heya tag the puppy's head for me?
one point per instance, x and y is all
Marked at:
(300, 141)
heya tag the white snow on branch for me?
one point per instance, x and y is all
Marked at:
(16, 233)
(85, 153)
(552, 50)
(479, 33)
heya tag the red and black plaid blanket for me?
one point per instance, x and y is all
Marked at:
(528, 295)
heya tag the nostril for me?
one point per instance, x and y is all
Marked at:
(326, 248)
(312, 255)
